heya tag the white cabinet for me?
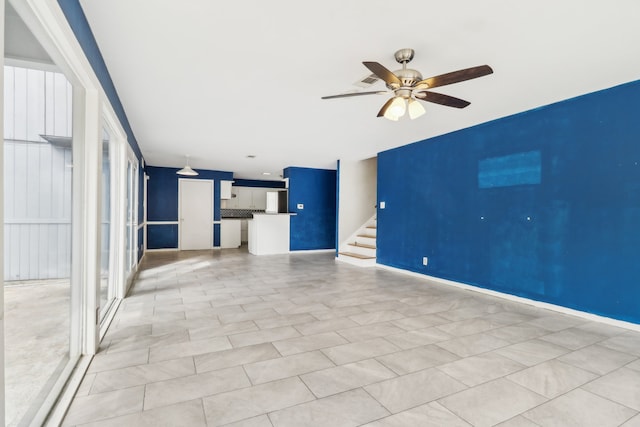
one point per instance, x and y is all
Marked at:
(232, 203)
(269, 234)
(225, 190)
(230, 233)
(251, 198)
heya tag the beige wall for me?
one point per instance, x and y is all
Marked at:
(358, 192)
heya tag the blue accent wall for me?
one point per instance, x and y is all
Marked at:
(258, 183)
(313, 227)
(162, 236)
(140, 243)
(162, 204)
(336, 239)
(80, 27)
(562, 226)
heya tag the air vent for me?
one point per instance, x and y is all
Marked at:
(367, 81)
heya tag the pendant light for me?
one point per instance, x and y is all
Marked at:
(187, 171)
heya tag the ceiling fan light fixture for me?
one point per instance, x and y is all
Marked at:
(187, 171)
(415, 109)
(397, 109)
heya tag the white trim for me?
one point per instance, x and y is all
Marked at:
(145, 196)
(312, 251)
(86, 217)
(162, 222)
(67, 394)
(2, 349)
(108, 316)
(31, 64)
(522, 300)
(164, 250)
(38, 221)
(141, 225)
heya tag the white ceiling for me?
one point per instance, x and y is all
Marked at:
(219, 80)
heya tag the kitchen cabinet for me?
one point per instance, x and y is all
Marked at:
(251, 198)
(232, 202)
(230, 233)
(269, 234)
(225, 190)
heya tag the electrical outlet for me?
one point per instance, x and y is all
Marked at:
(425, 260)
(300, 206)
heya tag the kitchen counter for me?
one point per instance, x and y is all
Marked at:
(269, 233)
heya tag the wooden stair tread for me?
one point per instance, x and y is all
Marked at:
(354, 255)
(367, 236)
(362, 245)
(373, 227)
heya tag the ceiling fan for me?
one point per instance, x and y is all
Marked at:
(408, 86)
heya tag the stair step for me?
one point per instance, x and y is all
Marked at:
(354, 255)
(367, 236)
(373, 227)
(363, 245)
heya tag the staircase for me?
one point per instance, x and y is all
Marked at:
(361, 247)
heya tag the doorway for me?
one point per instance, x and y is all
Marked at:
(196, 214)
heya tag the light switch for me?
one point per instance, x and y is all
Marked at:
(300, 206)
(382, 205)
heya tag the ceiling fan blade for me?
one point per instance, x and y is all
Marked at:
(346, 95)
(382, 72)
(454, 77)
(384, 107)
(441, 99)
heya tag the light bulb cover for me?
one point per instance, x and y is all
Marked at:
(415, 109)
(397, 109)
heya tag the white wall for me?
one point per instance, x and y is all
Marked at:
(358, 191)
(37, 175)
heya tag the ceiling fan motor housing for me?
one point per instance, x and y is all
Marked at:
(408, 77)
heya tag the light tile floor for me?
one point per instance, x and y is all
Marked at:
(226, 338)
(36, 317)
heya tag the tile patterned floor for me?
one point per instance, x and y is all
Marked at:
(226, 338)
(36, 316)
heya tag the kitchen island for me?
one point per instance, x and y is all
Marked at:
(269, 233)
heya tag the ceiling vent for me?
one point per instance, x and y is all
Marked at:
(366, 81)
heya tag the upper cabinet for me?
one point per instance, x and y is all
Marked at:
(250, 198)
(225, 190)
(245, 197)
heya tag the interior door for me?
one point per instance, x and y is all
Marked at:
(196, 214)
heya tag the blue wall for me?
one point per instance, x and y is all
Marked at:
(544, 204)
(313, 227)
(162, 204)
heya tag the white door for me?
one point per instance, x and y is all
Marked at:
(196, 214)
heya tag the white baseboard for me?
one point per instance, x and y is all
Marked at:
(539, 304)
(312, 251)
(178, 249)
